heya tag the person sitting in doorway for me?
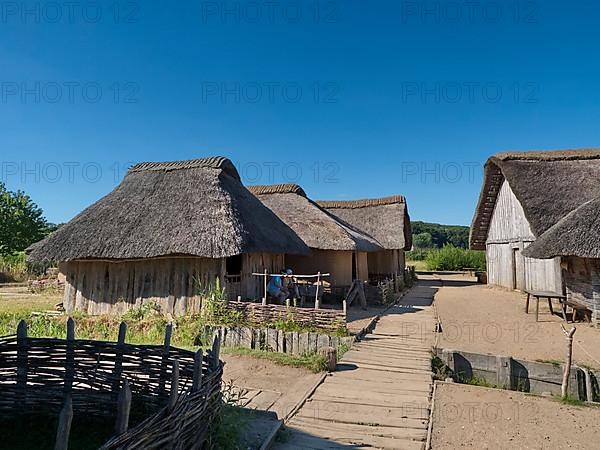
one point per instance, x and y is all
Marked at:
(278, 289)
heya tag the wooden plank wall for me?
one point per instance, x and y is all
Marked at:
(336, 262)
(509, 234)
(582, 280)
(386, 262)
(103, 287)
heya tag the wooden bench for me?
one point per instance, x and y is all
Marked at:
(577, 307)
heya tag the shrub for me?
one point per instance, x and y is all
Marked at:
(453, 258)
(417, 254)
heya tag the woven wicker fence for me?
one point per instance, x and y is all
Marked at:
(259, 314)
(173, 395)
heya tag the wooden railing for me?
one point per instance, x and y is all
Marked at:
(176, 392)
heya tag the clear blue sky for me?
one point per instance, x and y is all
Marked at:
(388, 90)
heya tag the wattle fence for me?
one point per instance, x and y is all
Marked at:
(158, 395)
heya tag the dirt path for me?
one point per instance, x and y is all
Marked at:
(482, 418)
(482, 319)
(379, 396)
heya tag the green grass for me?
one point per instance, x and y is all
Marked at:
(311, 361)
(554, 362)
(571, 401)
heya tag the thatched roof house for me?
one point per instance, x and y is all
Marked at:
(576, 240)
(164, 226)
(524, 195)
(337, 247)
(387, 220)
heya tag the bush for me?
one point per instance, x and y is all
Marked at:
(453, 258)
(417, 255)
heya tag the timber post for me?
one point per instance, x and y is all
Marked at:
(264, 300)
(119, 356)
(165, 358)
(317, 306)
(63, 430)
(345, 307)
(567, 369)
(123, 409)
(216, 349)
(70, 356)
(197, 377)
(22, 359)
(174, 395)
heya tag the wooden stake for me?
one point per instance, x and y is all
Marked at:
(216, 349)
(345, 307)
(119, 355)
(567, 369)
(123, 409)
(174, 385)
(264, 300)
(22, 358)
(317, 291)
(70, 356)
(64, 425)
(197, 378)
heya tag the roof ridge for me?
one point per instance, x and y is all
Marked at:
(285, 188)
(211, 162)
(549, 155)
(363, 203)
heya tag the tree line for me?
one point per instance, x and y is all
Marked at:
(434, 235)
(22, 222)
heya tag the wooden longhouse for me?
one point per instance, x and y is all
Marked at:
(336, 247)
(165, 233)
(387, 220)
(575, 239)
(523, 196)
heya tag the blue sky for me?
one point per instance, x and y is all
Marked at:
(350, 99)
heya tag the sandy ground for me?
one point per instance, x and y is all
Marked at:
(483, 418)
(483, 319)
(357, 319)
(268, 386)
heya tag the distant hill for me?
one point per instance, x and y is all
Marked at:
(457, 235)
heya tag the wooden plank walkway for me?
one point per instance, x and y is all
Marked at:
(380, 395)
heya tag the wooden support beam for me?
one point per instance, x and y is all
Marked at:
(123, 409)
(63, 430)
(264, 300)
(165, 358)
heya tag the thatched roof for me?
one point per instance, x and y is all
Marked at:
(318, 228)
(386, 219)
(197, 208)
(576, 234)
(548, 185)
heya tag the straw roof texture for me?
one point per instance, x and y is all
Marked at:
(196, 208)
(548, 185)
(386, 219)
(318, 228)
(576, 234)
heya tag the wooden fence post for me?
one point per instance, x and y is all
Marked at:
(119, 356)
(567, 369)
(70, 356)
(123, 409)
(64, 425)
(216, 349)
(317, 291)
(197, 378)
(264, 300)
(174, 385)
(345, 307)
(22, 359)
(165, 358)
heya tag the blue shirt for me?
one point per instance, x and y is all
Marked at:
(275, 285)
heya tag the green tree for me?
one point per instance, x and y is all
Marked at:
(22, 222)
(423, 240)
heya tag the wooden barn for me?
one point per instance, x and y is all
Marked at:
(165, 233)
(575, 239)
(523, 195)
(336, 247)
(387, 220)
